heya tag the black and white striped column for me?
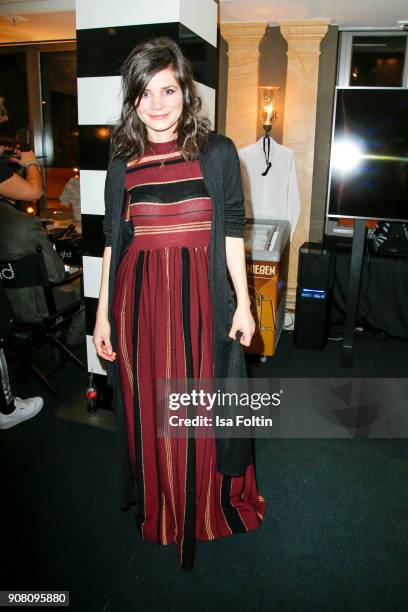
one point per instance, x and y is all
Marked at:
(107, 30)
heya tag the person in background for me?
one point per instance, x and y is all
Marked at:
(15, 187)
(21, 234)
(14, 410)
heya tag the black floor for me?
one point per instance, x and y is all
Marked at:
(335, 535)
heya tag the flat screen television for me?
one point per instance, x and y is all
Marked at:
(369, 154)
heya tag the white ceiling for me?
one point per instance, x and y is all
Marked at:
(59, 22)
(341, 12)
(21, 7)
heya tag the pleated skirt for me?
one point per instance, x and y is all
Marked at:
(163, 323)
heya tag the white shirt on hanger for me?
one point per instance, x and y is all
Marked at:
(276, 195)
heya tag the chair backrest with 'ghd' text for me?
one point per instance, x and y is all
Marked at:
(25, 338)
(28, 271)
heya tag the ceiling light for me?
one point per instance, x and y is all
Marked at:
(15, 19)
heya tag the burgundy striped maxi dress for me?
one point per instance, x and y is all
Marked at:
(163, 321)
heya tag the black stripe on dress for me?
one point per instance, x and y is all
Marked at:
(159, 485)
(174, 192)
(140, 515)
(231, 514)
(187, 553)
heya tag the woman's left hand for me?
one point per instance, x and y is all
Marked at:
(243, 321)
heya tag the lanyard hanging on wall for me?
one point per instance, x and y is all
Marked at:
(266, 146)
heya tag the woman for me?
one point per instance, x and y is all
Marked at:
(166, 302)
(14, 410)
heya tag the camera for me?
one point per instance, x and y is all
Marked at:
(9, 151)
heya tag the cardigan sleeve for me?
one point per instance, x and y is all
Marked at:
(233, 196)
(107, 220)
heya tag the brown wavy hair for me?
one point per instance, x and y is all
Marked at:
(129, 136)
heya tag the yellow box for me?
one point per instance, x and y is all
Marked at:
(267, 282)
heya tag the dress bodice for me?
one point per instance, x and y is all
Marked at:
(167, 200)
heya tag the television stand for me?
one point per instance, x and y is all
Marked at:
(357, 252)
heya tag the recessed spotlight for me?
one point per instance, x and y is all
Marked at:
(15, 19)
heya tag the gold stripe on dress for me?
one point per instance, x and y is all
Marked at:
(175, 225)
(163, 519)
(186, 445)
(171, 229)
(168, 182)
(167, 439)
(208, 506)
(140, 412)
(154, 157)
(123, 340)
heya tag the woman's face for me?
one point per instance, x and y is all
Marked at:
(160, 106)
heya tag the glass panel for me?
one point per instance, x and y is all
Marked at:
(14, 122)
(377, 61)
(60, 133)
(14, 112)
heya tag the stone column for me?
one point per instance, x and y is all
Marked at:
(303, 38)
(242, 100)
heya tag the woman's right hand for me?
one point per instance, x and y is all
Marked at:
(101, 339)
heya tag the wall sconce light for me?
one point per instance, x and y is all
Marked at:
(268, 107)
(268, 117)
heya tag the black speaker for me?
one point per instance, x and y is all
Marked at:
(313, 296)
